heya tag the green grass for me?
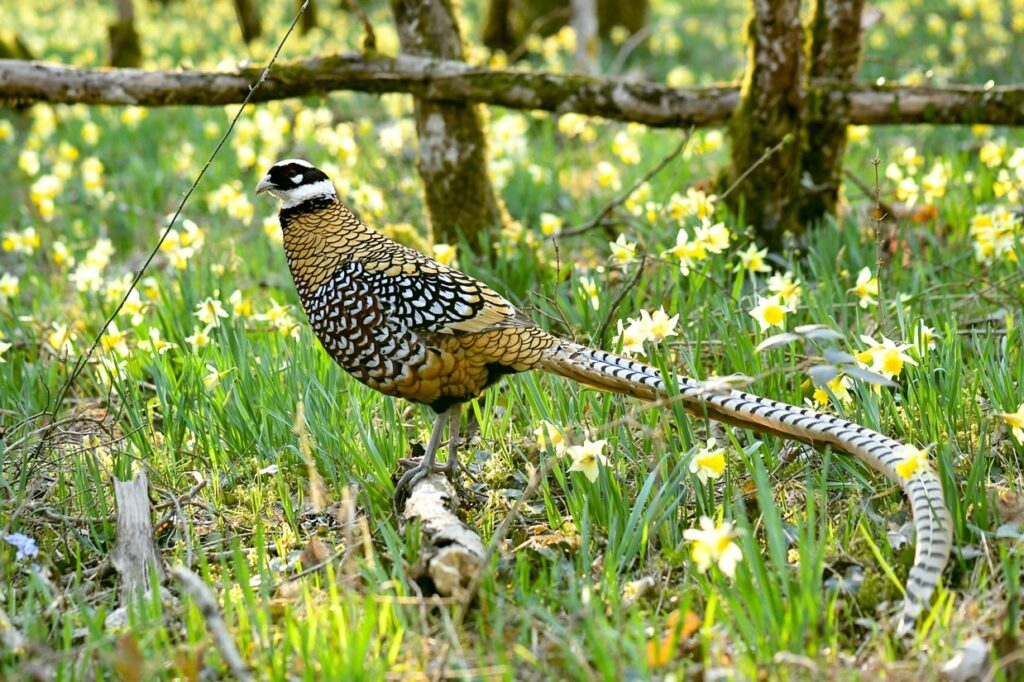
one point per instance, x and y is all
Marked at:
(803, 522)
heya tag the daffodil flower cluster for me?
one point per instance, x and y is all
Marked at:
(653, 327)
(997, 235)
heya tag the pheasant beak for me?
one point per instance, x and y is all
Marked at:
(265, 185)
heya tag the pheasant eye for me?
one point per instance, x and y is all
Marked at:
(297, 179)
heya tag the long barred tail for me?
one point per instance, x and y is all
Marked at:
(610, 372)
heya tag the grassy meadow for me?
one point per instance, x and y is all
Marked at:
(202, 374)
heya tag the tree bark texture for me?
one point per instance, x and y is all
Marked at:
(452, 146)
(611, 98)
(769, 116)
(835, 52)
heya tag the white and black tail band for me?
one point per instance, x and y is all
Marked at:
(932, 522)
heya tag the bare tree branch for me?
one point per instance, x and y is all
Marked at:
(612, 98)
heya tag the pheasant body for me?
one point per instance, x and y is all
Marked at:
(407, 326)
(398, 321)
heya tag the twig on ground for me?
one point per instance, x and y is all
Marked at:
(207, 603)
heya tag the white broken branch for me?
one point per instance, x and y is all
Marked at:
(451, 553)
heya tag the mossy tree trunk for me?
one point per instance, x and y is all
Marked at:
(835, 52)
(125, 48)
(248, 20)
(309, 19)
(770, 115)
(497, 32)
(453, 150)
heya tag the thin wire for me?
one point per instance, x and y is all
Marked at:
(84, 359)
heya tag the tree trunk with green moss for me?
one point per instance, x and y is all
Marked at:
(453, 148)
(835, 52)
(248, 20)
(125, 48)
(309, 19)
(769, 116)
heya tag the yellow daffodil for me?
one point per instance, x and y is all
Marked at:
(607, 175)
(214, 376)
(648, 327)
(589, 288)
(549, 435)
(713, 237)
(752, 259)
(659, 325)
(1016, 422)
(240, 305)
(713, 544)
(866, 288)
(114, 341)
(445, 254)
(155, 343)
(770, 312)
(210, 312)
(689, 252)
(840, 388)
(857, 133)
(61, 254)
(924, 338)
(200, 338)
(588, 458)
(912, 459)
(886, 358)
(551, 224)
(709, 462)
(623, 252)
(787, 288)
(626, 148)
(9, 286)
(61, 339)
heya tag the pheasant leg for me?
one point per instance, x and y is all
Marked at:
(426, 465)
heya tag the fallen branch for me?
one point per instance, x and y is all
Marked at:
(451, 553)
(207, 603)
(613, 98)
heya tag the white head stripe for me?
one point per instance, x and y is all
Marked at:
(294, 197)
(298, 162)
